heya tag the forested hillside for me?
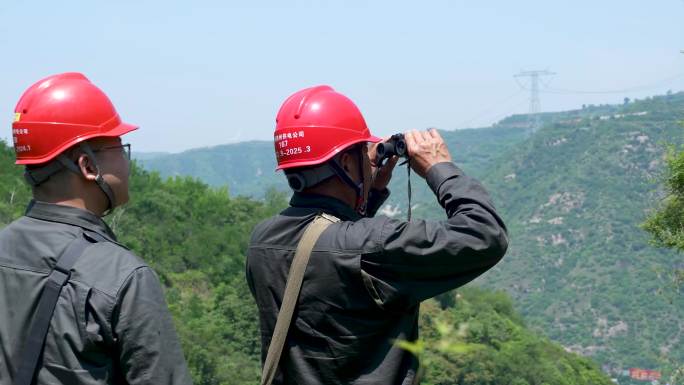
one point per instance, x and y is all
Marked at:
(195, 237)
(573, 193)
(579, 267)
(249, 168)
(252, 166)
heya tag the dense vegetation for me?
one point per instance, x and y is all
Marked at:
(579, 267)
(481, 339)
(666, 226)
(195, 238)
(573, 194)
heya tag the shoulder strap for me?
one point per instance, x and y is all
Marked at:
(33, 346)
(292, 287)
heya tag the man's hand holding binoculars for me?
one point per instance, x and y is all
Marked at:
(425, 148)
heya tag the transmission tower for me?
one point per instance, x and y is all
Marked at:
(535, 104)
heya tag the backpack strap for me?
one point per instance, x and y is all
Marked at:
(292, 287)
(60, 274)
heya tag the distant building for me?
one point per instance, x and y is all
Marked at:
(644, 374)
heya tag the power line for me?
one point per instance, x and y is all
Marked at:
(644, 87)
(535, 103)
(505, 114)
(494, 107)
(536, 77)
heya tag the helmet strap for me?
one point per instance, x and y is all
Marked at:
(37, 176)
(346, 178)
(101, 183)
(303, 179)
(360, 201)
(309, 177)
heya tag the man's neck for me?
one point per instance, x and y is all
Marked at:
(338, 191)
(77, 202)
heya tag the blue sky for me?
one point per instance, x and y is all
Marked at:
(204, 73)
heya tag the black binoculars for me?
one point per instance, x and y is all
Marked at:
(394, 146)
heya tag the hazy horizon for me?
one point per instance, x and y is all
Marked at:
(209, 73)
(151, 154)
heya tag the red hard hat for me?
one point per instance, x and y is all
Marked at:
(58, 112)
(316, 123)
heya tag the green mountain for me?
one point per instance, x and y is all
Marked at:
(579, 267)
(248, 168)
(252, 166)
(195, 238)
(573, 194)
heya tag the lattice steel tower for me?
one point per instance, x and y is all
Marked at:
(535, 103)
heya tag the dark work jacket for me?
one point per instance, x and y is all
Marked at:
(366, 278)
(111, 324)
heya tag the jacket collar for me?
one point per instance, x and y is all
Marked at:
(326, 204)
(69, 215)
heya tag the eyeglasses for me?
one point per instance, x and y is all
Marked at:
(124, 148)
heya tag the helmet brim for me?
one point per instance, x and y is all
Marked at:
(120, 130)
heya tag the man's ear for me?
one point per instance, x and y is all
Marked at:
(88, 168)
(345, 162)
